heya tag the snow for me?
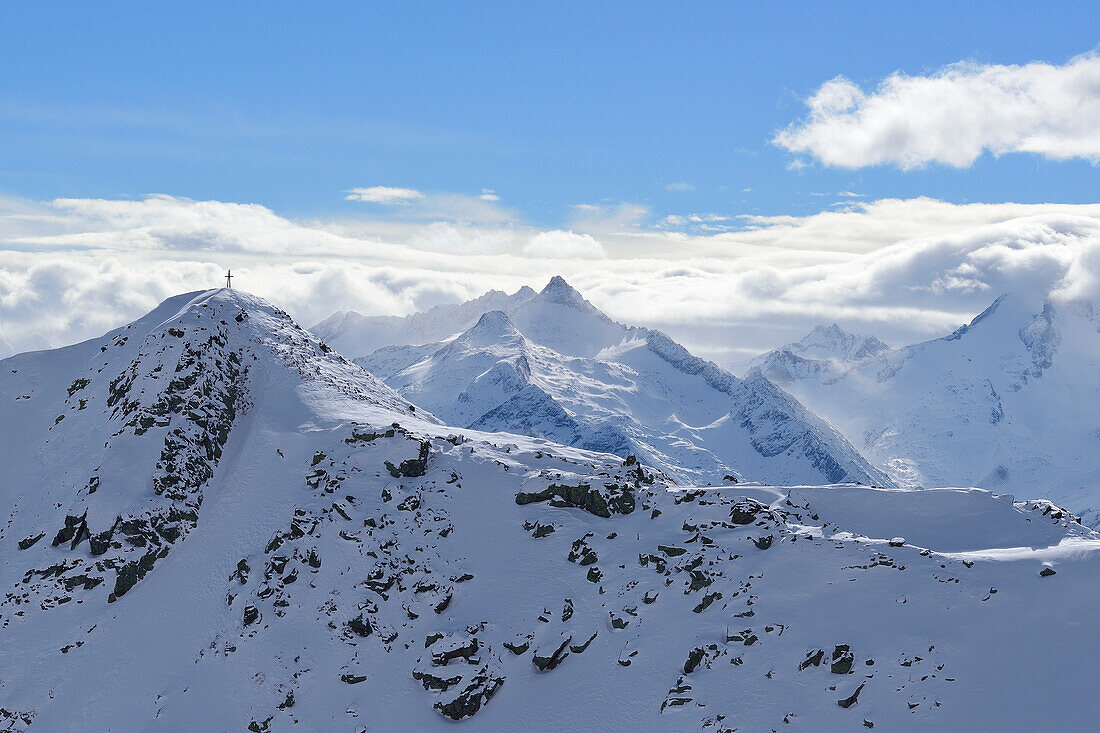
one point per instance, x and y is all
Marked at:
(347, 550)
(1007, 402)
(556, 367)
(355, 334)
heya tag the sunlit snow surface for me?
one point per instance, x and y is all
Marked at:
(318, 588)
(553, 366)
(1008, 402)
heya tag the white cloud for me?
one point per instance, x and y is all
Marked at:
(903, 269)
(562, 245)
(953, 116)
(680, 186)
(412, 204)
(384, 195)
(604, 218)
(697, 222)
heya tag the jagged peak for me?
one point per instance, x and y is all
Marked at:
(559, 291)
(524, 294)
(831, 331)
(834, 342)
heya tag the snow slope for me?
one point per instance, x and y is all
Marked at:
(556, 367)
(352, 333)
(214, 522)
(1008, 402)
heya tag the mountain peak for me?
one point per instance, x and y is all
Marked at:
(834, 342)
(832, 331)
(492, 328)
(559, 291)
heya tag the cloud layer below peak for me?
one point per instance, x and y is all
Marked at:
(904, 269)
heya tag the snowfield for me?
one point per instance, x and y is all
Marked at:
(216, 522)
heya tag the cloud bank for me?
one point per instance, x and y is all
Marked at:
(902, 269)
(953, 116)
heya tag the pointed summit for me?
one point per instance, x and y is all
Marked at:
(559, 291)
(493, 328)
(560, 317)
(834, 342)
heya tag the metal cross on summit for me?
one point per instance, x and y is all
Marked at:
(229, 278)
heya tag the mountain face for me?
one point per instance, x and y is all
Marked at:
(555, 367)
(351, 333)
(215, 522)
(1007, 402)
(825, 354)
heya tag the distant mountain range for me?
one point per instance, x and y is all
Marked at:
(553, 366)
(352, 333)
(214, 521)
(1008, 402)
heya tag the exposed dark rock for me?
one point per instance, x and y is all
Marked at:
(432, 682)
(851, 699)
(413, 467)
(812, 659)
(28, 542)
(463, 650)
(744, 511)
(695, 657)
(547, 662)
(360, 626)
(613, 498)
(842, 660)
(480, 690)
(579, 648)
(352, 679)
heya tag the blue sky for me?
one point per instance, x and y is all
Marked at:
(731, 173)
(546, 104)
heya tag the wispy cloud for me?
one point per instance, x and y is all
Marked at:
(680, 186)
(952, 116)
(384, 195)
(413, 204)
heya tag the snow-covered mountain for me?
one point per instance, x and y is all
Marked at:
(825, 354)
(1008, 402)
(352, 333)
(555, 367)
(215, 522)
